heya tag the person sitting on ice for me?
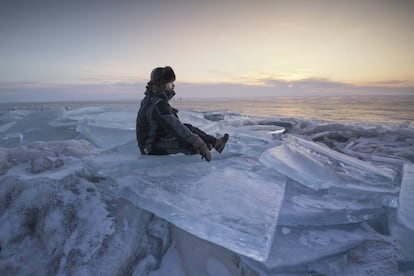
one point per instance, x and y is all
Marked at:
(158, 128)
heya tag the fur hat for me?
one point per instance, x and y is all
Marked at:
(162, 75)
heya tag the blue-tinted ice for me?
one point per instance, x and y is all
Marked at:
(319, 167)
(234, 203)
(406, 208)
(328, 217)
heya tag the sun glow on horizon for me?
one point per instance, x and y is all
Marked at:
(236, 42)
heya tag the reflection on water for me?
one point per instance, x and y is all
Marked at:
(360, 109)
(389, 110)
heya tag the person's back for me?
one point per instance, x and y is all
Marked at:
(150, 127)
(145, 127)
(158, 128)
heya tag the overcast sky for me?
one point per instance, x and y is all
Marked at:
(87, 48)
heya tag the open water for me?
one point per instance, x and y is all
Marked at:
(388, 110)
(379, 110)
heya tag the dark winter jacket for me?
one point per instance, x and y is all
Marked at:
(157, 120)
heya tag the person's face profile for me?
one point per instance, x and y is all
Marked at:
(169, 86)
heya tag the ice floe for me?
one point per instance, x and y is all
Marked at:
(289, 195)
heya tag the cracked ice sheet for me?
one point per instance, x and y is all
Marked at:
(302, 207)
(319, 167)
(406, 207)
(110, 127)
(298, 249)
(233, 202)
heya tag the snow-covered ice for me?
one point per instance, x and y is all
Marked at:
(406, 207)
(288, 195)
(55, 218)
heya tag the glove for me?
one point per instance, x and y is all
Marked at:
(202, 149)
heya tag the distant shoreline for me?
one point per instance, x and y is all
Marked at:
(177, 98)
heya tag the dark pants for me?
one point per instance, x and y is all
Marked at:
(174, 145)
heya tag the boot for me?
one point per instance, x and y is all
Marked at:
(202, 149)
(221, 142)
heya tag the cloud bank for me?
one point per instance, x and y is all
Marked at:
(38, 92)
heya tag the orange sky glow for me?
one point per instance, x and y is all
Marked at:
(254, 43)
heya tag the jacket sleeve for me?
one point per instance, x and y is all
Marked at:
(166, 114)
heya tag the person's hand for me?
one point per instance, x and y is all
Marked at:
(201, 148)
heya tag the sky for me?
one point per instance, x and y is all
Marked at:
(52, 50)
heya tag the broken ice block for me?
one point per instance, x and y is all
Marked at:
(104, 137)
(295, 248)
(232, 202)
(406, 208)
(319, 167)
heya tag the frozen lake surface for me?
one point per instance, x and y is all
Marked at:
(287, 195)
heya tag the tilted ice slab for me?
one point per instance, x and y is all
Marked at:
(303, 207)
(232, 202)
(109, 117)
(406, 208)
(105, 127)
(106, 138)
(297, 249)
(110, 127)
(319, 167)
